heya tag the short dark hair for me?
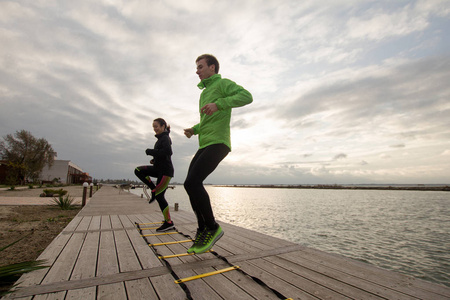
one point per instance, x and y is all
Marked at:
(210, 60)
(162, 122)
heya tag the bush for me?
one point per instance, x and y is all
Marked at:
(64, 203)
(50, 192)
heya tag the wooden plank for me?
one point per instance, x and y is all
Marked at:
(302, 283)
(52, 296)
(336, 279)
(129, 262)
(145, 255)
(84, 283)
(63, 266)
(224, 287)
(311, 282)
(127, 221)
(127, 268)
(84, 223)
(384, 278)
(115, 291)
(140, 289)
(105, 222)
(164, 285)
(85, 294)
(108, 264)
(115, 222)
(253, 288)
(73, 224)
(287, 289)
(199, 289)
(95, 223)
(85, 267)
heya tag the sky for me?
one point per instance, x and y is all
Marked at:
(344, 91)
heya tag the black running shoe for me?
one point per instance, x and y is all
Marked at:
(165, 226)
(153, 198)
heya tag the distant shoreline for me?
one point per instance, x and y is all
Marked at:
(392, 187)
(445, 188)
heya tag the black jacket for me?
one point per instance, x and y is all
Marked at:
(162, 153)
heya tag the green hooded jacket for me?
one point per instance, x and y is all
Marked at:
(226, 94)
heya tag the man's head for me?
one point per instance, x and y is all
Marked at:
(207, 65)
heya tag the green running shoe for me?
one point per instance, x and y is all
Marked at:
(207, 240)
(197, 238)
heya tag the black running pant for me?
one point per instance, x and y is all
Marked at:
(144, 173)
(204, 163)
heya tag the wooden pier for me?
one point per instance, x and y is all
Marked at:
(104, 253)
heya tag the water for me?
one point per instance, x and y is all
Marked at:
(404, 231)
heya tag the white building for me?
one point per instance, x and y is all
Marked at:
(64, 171)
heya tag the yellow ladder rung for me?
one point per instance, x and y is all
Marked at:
(180, 255)
(207, 274)
(150, 228)
(149, 223)
(175, 255)
(170, 243)
(155, 234)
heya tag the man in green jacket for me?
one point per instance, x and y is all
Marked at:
(218, 97)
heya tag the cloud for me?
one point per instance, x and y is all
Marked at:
(335, 84)
(397, 146)
(340, 156)
(379, 23)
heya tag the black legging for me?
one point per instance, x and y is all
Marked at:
(144, 173)
(204, 163)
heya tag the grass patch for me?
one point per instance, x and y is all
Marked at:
(10, 273)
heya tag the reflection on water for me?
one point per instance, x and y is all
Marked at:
(406, 231)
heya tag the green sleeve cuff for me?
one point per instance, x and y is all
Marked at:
(196, 128)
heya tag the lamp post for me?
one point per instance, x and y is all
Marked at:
(85, 186)
(90, 191)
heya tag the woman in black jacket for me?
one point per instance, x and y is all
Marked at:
(162, 169)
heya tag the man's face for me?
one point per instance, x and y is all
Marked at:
(203, 70)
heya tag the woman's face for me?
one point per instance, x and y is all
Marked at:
(158, 128)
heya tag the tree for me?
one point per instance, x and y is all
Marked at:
(26, 155)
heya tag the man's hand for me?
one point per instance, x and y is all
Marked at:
(209, 109)
(189, 132)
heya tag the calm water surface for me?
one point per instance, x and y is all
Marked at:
(405, 231)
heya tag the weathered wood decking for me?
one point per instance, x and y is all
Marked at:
(102, 255)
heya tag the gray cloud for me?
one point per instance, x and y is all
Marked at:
(340, 156)
(90, 77)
